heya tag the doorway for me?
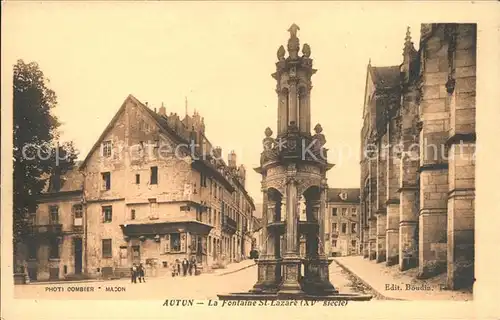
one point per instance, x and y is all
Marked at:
(78, 255)
(136, 254)
(123, 256)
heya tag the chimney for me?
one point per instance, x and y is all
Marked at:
(146, 103)
(231, 159)
(155, 110)
(162, 111)
(217, 152)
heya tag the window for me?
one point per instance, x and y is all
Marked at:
(353, 244)
(344, 211)
(334, 211)
(154, 175)
(334, 243)
(106, 248)
(354, 211)
(153, 209)
(78, 215)
(106, 180)
(54, 214)
(334, 227)
(107, 213)
(343, 196)
(344, 227)
(175, 242)
(203, 180)
(209, 216)
(106, 149)
(78, 210)
(132, 214)
(137, 178)
(353, 227)
(54, 248)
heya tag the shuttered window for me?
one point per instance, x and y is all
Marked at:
(106, 248)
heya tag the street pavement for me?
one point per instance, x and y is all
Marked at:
(202, 287)
(394, 284)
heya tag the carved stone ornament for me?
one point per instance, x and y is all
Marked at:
(318, 129)
(291, 273)
(306, 50)
(293, 42)
(281, 53)
(278, 184)
(262, 273)
(319, 137)
(268, 142)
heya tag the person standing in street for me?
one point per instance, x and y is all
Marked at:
(178, 266)
(185, 266)
(133, 273)
(141, 272)
(192, 266)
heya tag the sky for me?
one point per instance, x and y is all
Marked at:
(220, 55)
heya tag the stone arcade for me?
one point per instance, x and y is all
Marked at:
(293, 168)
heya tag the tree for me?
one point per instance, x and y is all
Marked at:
(36, 151)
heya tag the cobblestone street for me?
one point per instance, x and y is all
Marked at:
(205, 286)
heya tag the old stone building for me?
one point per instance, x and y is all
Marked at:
(151, 190)
(342, 228)
(418, 146)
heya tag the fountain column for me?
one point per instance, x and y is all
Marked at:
(261, 265)
(318, 267)
(291, 260)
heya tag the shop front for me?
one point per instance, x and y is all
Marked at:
(158, 245)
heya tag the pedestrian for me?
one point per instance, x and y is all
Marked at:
(192, 266)
(133, 273)
(178, 264)
(141, 272)
(174, 269)
(185, 266)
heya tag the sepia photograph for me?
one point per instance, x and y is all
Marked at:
(260, 155)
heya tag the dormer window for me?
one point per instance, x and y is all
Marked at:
(106, 149)
(343, 196)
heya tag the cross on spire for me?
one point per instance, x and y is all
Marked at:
(293, 30)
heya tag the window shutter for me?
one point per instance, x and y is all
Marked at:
(102, 215)
(167, 243)
(183, 242)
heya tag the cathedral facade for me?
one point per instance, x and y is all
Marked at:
(418, 156)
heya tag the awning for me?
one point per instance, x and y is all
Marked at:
(154, 228)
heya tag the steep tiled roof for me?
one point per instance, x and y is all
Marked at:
(72, 180)
(353, 194)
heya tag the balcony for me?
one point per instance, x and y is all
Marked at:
(229, 225)
(47, 229)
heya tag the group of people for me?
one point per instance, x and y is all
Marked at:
(137, 272)
(186, 266)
